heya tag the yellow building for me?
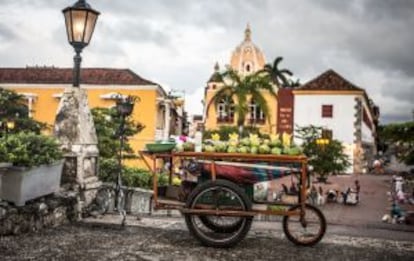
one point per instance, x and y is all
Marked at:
(246, 59)
(43, 86)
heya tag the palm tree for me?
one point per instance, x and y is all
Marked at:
(294, 84)
(240, 88)
(278, 76)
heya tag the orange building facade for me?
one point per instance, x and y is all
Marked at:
(43, 87)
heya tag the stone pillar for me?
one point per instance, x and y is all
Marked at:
(75, 129)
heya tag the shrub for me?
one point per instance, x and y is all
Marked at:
(136, 177)
(30, 149)
(131, 176)
(327, 159)
(108, 169)
(3, 152)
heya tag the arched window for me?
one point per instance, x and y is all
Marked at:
(256, 114)
(225, 110)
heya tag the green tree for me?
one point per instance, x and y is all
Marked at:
(13, 108)
(325, 159)
(107, 122)
(280, 77)
(401, 136)
(240, 88)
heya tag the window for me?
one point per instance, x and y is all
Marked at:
(256, 114)
(327, 134)
(225, 110)
(327, 111)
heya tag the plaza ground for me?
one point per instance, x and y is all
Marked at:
(354, 233)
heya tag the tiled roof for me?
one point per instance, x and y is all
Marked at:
(53, 75)
(329, 81)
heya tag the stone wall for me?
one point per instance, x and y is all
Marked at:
(49, 211)
(64, 207)
(136, 201)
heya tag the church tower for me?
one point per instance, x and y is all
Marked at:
(247, 58)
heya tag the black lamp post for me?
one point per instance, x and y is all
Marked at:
(80, 22)
(124, 107)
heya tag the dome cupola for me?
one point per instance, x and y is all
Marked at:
(247, 58)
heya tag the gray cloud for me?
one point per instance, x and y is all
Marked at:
(369, 42)
(6, 33)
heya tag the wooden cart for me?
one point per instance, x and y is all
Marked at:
(219, 212)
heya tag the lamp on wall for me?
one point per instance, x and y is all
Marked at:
(324, 139)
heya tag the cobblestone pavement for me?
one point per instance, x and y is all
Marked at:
(354, 233)
(155, 238)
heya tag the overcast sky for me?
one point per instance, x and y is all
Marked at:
(177, 42)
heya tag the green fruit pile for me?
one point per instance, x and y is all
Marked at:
(252, 145)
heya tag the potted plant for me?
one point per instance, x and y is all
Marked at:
(37, 167)
(3, 157)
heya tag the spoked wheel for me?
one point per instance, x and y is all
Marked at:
(305, 231)
(222, 224)
(218, 230)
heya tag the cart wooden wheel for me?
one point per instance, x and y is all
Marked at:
(305, 231)
(218, 230)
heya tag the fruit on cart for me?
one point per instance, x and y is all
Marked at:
(188, 146)
(233, 137)
(276, 151)
(293, 150)
(245, 141)
(232, 149)
(233, 143)
(266, 142)
(254, 150)
(209, 148)
(276, 145)
(244, 149)
(264, 149)
(220, 146)
(254, 140)
(286, 139)
(176, 181)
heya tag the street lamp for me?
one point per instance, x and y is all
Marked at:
(80, 22)
(80, 143)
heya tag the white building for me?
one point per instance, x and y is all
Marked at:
(332, 102)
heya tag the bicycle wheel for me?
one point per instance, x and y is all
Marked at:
(307, 231)
(222, 224)
(218, 230)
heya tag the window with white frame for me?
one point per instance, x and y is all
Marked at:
(256, 113)
(225, 109)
